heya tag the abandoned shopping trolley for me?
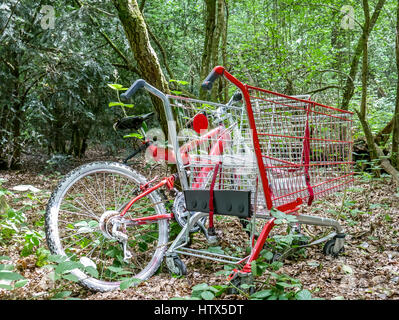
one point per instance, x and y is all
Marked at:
(260, 151)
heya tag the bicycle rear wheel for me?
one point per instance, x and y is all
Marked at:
(83, 223)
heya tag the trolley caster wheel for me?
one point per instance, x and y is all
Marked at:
(176, 266)
(328, 248)
(277, 257)
(240, 279)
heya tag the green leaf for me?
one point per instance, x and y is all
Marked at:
(281, 217)
(118, 270)
(62, 294)
(134, 135)
(287, 285)
(303, 295)
(6, 286)
(114, 104)
(4, 258)
(182, 82)
(254, 268)
(262, 294)
(21, 283)
(57, 258)
(6, 275)
(116, 86)
(275, 265)
(120, 104)
(91, 271)
(70, 277)
(268, 255)
(128, 283)
(68, 266)
(8, 267)
(200, 287)
(207, 295)
(217, 249)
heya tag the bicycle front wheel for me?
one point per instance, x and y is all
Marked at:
(83, 223)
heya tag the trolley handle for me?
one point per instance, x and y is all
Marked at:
(210, 79)
(138, 84)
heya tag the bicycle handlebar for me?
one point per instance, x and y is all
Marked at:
(138, 84)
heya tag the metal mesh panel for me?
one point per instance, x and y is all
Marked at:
(227, 141)
(306, 147)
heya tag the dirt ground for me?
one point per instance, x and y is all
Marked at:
(368, 268)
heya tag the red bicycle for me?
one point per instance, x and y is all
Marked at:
(113, 221)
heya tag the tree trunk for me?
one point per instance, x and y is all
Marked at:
(224, 49)
(210, 24)
(215, 42)
(147, 61)
(363, 106)
(395, 135)
(350, 81)
(219, 28)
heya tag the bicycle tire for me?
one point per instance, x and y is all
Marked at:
(75, 224)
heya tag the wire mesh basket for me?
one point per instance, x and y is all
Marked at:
(306, 147)
(226, 141)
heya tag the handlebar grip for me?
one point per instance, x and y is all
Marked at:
(138, 84)
(237, 96)
(210, 79)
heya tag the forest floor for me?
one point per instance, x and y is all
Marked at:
(367, 269)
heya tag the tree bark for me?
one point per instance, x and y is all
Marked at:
(210, 24)
(362, 114)
(395, 134)
(224, 48)
(147, 61)
(219, 29)
(215, 42)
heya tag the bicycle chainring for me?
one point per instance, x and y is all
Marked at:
(182, 215)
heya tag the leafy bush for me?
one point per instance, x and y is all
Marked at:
(9, 279)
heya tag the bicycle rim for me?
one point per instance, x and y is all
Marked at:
(80, 218)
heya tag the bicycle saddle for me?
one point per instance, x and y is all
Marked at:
(132, 122)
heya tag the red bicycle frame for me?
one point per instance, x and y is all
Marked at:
(220, 133)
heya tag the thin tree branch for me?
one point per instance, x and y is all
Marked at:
(324, 88)
(142, 4)
(162, 50)
(9, 18)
